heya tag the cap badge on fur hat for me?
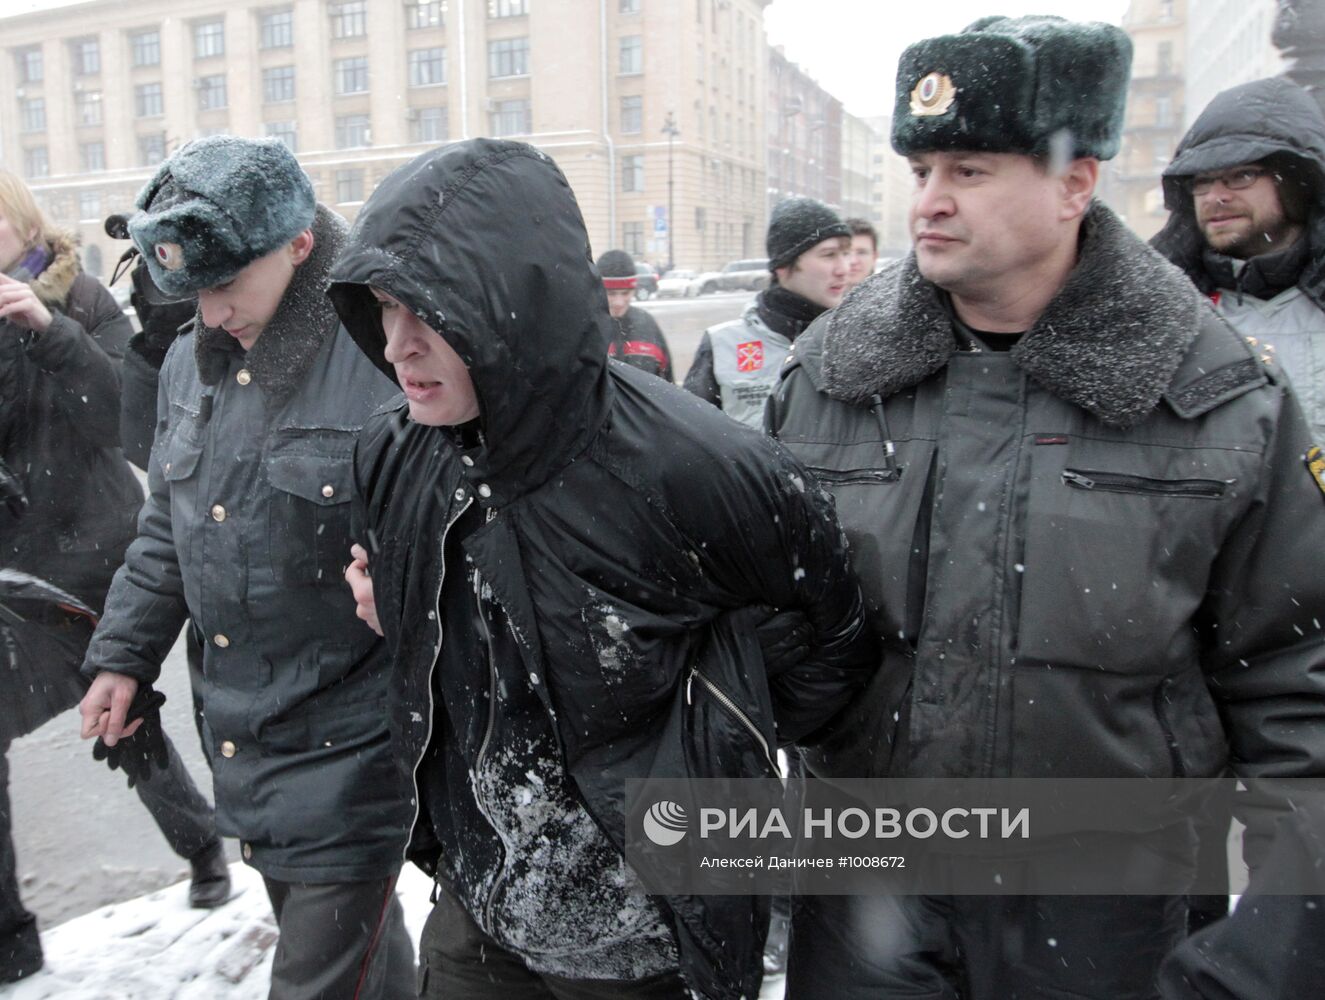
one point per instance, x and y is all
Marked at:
(933, 95)
(170, 255)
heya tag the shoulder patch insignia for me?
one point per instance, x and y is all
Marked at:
(1315, 460)
(750, 356)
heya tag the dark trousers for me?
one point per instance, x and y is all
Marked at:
(343, 941)
(981, 947)
(456, 959)
(182, 814)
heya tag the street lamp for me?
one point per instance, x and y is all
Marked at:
(670, 130)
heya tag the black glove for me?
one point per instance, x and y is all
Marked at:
(146, 746)
(784, 637)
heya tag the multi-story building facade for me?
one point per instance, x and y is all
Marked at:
(1228, 43)
(857, 148)
(892, 185)
(1155, 113)
(102, 91)
(803, 134)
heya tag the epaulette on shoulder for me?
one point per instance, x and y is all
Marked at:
(1221, 365)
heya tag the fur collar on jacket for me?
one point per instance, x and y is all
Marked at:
(304, 320)
(53, 285)
(1109, 342)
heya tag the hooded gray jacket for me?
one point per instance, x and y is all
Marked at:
(1096, 555)
(246, 530)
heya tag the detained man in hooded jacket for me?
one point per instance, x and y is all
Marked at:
(548, 580)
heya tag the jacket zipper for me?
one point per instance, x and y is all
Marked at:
(436, 654)
(1175, 758)
(725, 701)
(849, 476)
(490, 902)
(1116, 482)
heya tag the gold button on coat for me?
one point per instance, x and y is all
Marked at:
(218, 512)
(220, 640)
(244, 377)
(227, 749)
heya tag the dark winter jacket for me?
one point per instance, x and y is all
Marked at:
(1095, 555)
(1265, 118)
(620, 567)
(59, 434)
(637, 340)
(246, 530)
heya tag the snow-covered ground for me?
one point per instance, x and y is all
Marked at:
(156, 948)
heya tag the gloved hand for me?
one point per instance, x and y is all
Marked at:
(137, 753)
(784, 637)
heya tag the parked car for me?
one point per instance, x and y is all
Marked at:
(676, 283)
(740, 275)
(646, 281)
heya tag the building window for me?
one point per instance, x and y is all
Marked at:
(1163, 110)
(349, 19)
(145, 48)
(511, 118)
(151, 149)
(629, 6)
(29, 65)
(36, 163)
(423, 14)
(428, 125)
(208, 39)
(1164, 58)
(427, 67)
(632, 54)
(632, 173)
(287, 132)
(632, 115)
(701, 217)
(211, 92)
(89, 206)
(352, 75)
(87, 107)
(277, 29)
(632, 238)
(352, 131)
(349, 186)
(508, 57)
(86, 54)
(508, 8)
(277, 84)
(92, 156)
(147, 100)
(33, 112)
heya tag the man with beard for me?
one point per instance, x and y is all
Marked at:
(1080, 512)
(243, 533)
(736, 363)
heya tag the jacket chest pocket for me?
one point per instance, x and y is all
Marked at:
(1117, 555)
(309, 517)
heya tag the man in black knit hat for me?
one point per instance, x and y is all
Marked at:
(737, 363)
(636, 337)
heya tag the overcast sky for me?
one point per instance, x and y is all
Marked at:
(851, 46)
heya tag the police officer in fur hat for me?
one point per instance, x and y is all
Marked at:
(1080, 511)
(244, 532)
(736, 363)
(637, 339)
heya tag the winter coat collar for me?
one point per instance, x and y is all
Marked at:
(53, 285)
(304, 321)
(1110, 342)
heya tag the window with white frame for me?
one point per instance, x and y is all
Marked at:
(89, 205)
(510, 118)
(631, 50)
(352, 131)
(632, 173)
(632, 114)
(145, 47)
(86, 56)
(629, 6)
(349, 18)
(277, 84)
(423, 14)
(287, 132)
(508, 57)
(352, 75)
(632, 237)
(428, 125)
(151, 149)
(208, 39)
(87, 107)
(32, 112)
(28, 63)
(147, 100)
(427, 67)
(508, 8)
(276, 29)
(36, 162)
(211, 92)
(349, 185)
(92, 156)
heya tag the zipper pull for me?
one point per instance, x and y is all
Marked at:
(690, 680)
(1077, 479)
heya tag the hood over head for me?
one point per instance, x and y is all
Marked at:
(484, 242)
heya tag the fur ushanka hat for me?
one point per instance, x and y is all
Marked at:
(1011, 85)
(217, 205)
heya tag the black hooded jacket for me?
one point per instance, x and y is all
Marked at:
(621, 568)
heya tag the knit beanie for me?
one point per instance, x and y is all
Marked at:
(617, 269)
(797, 225)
